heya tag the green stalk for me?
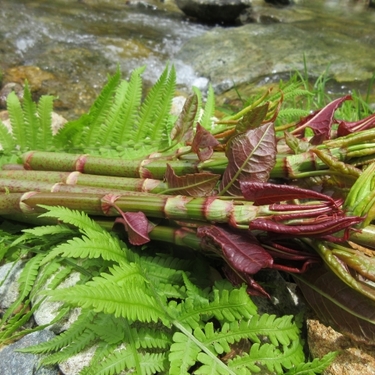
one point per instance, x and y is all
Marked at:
(350, 149)
(78, 178)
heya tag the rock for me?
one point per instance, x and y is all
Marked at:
(219, 11)
(76, 363)
(250, 52)
(7, 89)
(9, 289)
(15, 363)
(279, 2)
(33, 74)
(353, 359)
(47, 310)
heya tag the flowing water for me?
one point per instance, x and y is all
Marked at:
(77, 43)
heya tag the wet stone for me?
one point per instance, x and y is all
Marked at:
(16, 363)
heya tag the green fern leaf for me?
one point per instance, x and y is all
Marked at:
(183, 354)
(17, 120)
(44, 132)
(317, 366)
(147, 123)
(209, 109)
(210, 367)
(48, 230)
(65, 338)
(74, 217)
(116, 117)
(31, 123)
(7, 141)
(84, 340)
(99, 111)
(29, 275)
(123, 132)
(96, 245)
(132, 303)
(122, 359)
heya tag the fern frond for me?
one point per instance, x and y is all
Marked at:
(31, 123)
(96, 245)
(183, 354)
(132, 303)
(123, 132)
(81, 342)
(115, 118)
(317, 366)
(269, 356)
(155, 108)
(122, 359)
(227, 305)
(44, 133)
(47, 230)
(7, 141)
(29, 275)
(209, 109)
(74, 217)
(290, 114)
(99, 111)
(17, 121)
(65, 338)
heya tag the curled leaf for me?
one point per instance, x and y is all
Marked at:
(203, 143)
(240, 250)
(183, 128)
(197, 184)
(251, 157)
(321, 121)
(137, 226)
(346, 127)
(266, 193)
(339, 305)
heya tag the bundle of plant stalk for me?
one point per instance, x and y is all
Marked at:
(248, 191)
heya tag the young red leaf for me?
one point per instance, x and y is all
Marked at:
(252, 119)
(240, 250)
(197, 184)
(321, 121)
(322, 228)
(339, 305)
(251, 157)
(137, 226)
(346, 127)
(267, 193)
(203, 143)
(183, 128)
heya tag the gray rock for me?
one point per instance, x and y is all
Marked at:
(279, 2)
(9, 292)
(244, 54)
(15, 363)
(218, 11)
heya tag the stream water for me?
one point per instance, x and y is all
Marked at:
(77, 43)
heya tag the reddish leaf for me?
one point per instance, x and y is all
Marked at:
(267, 193)
(183, 128)
(240, 250)
(252, 119)
(251, 157)
(137, 226)
(338, 305)
(321, 228)
(203, 143)
(321, 121)
(197, 184)
(346, 127)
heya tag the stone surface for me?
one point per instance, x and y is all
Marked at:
(9, 289)
(15, 363)
(252, 51)
(219, 11)
(47, 311)
(353, 359)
